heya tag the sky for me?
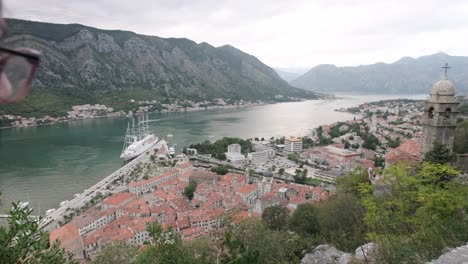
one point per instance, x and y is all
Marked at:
(290, 34)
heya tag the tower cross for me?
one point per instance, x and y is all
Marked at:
(446, 68)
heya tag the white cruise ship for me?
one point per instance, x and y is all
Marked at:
(137, 139)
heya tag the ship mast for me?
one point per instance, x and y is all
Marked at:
(127, 137)
(134, 130)
(138, 135)
(145, 126)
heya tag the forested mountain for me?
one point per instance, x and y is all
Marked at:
(407, 75)
(81, 63)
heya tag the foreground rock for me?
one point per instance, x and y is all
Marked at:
(325, 254)
(366, 253)
(455, 256)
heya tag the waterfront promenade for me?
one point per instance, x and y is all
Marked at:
(104, 186)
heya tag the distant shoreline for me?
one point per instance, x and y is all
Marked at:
(165, 111)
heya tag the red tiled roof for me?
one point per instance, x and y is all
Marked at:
(68, 236)
(140, 183)
(123, 234)
(184, 165)
(367, 163)
(138, 206)
(408, 151)
(411, 147)
(246, 189)
(240, 216)
(191, 231)
(118, 198)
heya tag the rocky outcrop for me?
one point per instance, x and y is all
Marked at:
(366, 253)
(325, 254)
(455, 256)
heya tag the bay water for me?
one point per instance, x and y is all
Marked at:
(48, 164)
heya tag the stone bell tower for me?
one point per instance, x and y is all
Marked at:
(440, 115)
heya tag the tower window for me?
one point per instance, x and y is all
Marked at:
(430, 112)
(447, 112)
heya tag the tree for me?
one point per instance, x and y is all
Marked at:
(219, 147)
(347, 145)
(294, 157)
(393, 144)
(370, 141)
(307, 142)
(351, 183)
(281, 171)
(379, 161)
(340, 221)
(253, 242)
(22, 241)
(279, 141)
(460, 141)
(301, 176)
(220, 170)
(166, 247)
(190, 190)
(420, 216)
(275, 217)
(118, 252)
(439, 154)
(304, 220)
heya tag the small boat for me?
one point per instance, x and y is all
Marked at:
(23, 205)
(169, 135)
(64, 203)
(48, 212)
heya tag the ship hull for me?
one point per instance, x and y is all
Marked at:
(139, 147)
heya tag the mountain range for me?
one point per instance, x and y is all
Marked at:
(84, 62)
(407, 75)
(287, 75)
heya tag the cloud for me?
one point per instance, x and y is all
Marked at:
(295, 34)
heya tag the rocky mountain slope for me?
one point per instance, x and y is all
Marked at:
(407, 75)
(78, 59)
(287, 75)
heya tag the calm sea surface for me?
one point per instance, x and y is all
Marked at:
(46, 165)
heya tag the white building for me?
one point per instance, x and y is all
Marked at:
(235, 157)
(292, 144)
(234, 154)
(234, 148)
(260, 157)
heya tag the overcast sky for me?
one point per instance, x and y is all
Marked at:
(281, 33)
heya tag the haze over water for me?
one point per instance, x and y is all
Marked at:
(46, 165)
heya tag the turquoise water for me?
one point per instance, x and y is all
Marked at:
(46, 165)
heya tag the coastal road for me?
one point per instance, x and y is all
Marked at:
(52, 220)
